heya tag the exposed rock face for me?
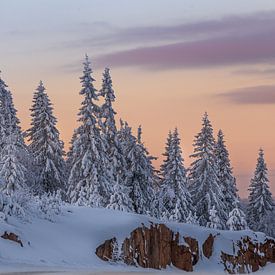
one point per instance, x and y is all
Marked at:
(105, 251)
(250, 256)
(155, 247)
(158, 247)
(207, 247)
(12, 237)
(184, 257)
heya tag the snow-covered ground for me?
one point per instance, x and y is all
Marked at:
(69, 243)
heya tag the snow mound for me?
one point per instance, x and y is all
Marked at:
(70, 242)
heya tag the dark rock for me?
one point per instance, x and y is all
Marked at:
(105, 251)
(158, 247)
(250, 256)
(12, 237)
(207, 247)
(155, 247)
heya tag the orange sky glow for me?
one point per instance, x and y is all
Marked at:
(169, 64)
(161, 101)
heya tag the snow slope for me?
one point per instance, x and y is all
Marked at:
(69, 243)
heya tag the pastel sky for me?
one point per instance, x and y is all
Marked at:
(170, 61)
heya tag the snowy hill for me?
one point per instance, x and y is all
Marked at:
(70, 242)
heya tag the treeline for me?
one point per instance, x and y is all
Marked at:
(109, 166)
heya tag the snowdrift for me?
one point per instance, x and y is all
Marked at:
(71, 242)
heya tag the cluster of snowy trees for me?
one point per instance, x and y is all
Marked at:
(109, 166)
(205, 193)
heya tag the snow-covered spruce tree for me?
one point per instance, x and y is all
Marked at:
(3, 130)
(88, 152)
(107, 111)
(260, 204)
(45, 144)
(8, 115)
(214, 220)
(117, 162)
(164, 168)
(204, 182)
(82, 197)
(70, 153)
(140, 176)
(236, 220)
(12, 172)
(192, 218)
(50, 205)
(10, 132)
(120, 199)
(224, 172)
(176, 201)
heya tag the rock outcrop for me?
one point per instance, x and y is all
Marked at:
(250, 256)
(158, 247)
(12, 237)
(155, 247)
(105, 251)
(207, 247)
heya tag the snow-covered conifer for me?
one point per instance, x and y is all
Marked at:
(9, 121)
(95, 198)
(140, 176)
(3, 93)
(82, 197)
(50, 205)
(236, 220)
(120, 199)
(10, 133)
(260, 198)
(45, 144)
(175, 199)
(89, 164)
(11, 171)
(107, 111)
(224, 172)
(204, 182)
(70, 153)
(114, 150)
(12, 205)
(192, 218)
(214, 220)
(165, 165)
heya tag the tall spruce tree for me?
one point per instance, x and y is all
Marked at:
(45, 144)
(12, 171)
(3, 130)
(204, 182)
(175, 199)
(8, 115)
(225, 176)
(107, 111)
(89, 164)
(70, 153)
(117, 160)
(140, 176)
(12, 143)
(260, 198)
(164, 168)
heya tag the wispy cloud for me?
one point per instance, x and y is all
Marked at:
(232, 40)
(250, 95)
(237, 25)
(242, 40)
(227, 50)
(253, 71)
